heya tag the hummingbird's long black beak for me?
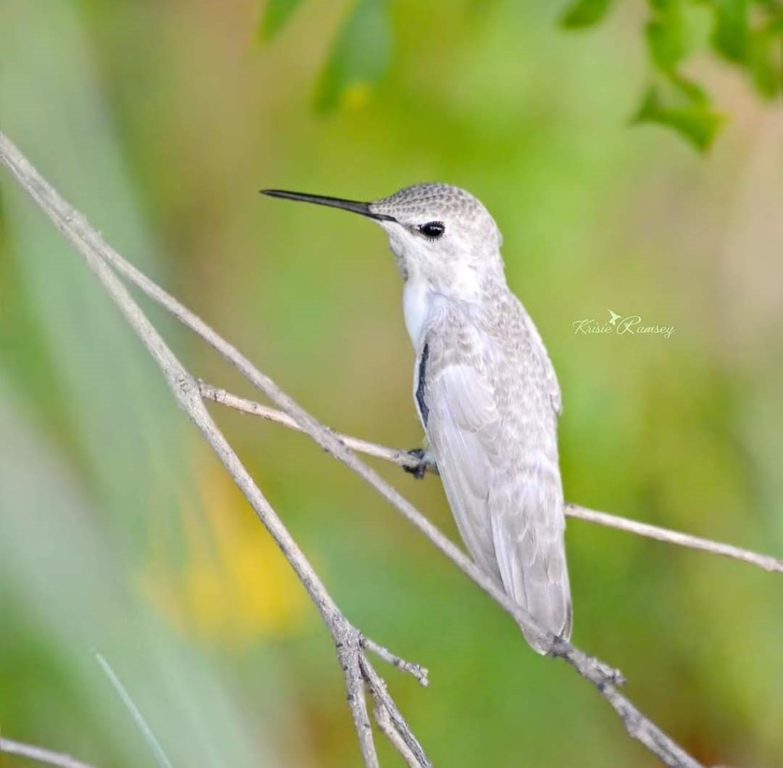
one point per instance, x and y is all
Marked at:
(363, 209)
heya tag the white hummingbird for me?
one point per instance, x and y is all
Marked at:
(485, 389)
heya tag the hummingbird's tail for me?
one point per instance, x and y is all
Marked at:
(548, 597)
(530, 552)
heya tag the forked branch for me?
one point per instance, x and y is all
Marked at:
(349, 642)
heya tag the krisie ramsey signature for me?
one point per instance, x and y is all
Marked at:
(621, 325)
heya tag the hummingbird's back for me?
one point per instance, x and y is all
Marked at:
(489, 401)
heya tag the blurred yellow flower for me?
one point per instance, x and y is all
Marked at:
(235, 585)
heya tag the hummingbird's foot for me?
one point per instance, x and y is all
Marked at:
(423, 462)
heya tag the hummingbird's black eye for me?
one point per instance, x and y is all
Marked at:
(432, 229)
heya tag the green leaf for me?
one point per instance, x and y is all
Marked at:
(666, 43)
(678, 27)
(684, 107)
(276, 15)
(585, 13)
(730, 35)
(360, 57)
(765, 59)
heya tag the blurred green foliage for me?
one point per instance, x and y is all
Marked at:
(360, 56)
(276, 14)
(746, 33)
(119, 532)
(682, 105)
(585, 13)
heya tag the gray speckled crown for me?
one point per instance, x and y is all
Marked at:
(427, 200)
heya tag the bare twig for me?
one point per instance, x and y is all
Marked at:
(41, 755)
(349, 651)
(419, 672)
(98, 255)
(386, 726)
(347, 639)
(404, 459)
(766, 562)
(385, 702)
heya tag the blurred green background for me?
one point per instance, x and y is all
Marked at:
(119, 531)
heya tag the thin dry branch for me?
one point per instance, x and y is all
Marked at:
(386, 726)
(386, 704)
(404, 459)
(208, 392)
(98, 255)
(40, 755)
(349, 642)
(419, 672)
(765, 562)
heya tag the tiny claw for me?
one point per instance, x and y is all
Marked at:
(419, 469)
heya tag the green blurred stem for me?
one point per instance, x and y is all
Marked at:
(103, 261)
(161, 758)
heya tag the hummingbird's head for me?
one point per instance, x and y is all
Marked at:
(438, 233)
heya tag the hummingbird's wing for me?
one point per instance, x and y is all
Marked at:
(458, 411)
(491, 425)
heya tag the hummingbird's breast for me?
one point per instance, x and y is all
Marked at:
(417, 301)
(438, 286)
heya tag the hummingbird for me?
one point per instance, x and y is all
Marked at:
(485, 390)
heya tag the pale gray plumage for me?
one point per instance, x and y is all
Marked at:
(486, 392)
